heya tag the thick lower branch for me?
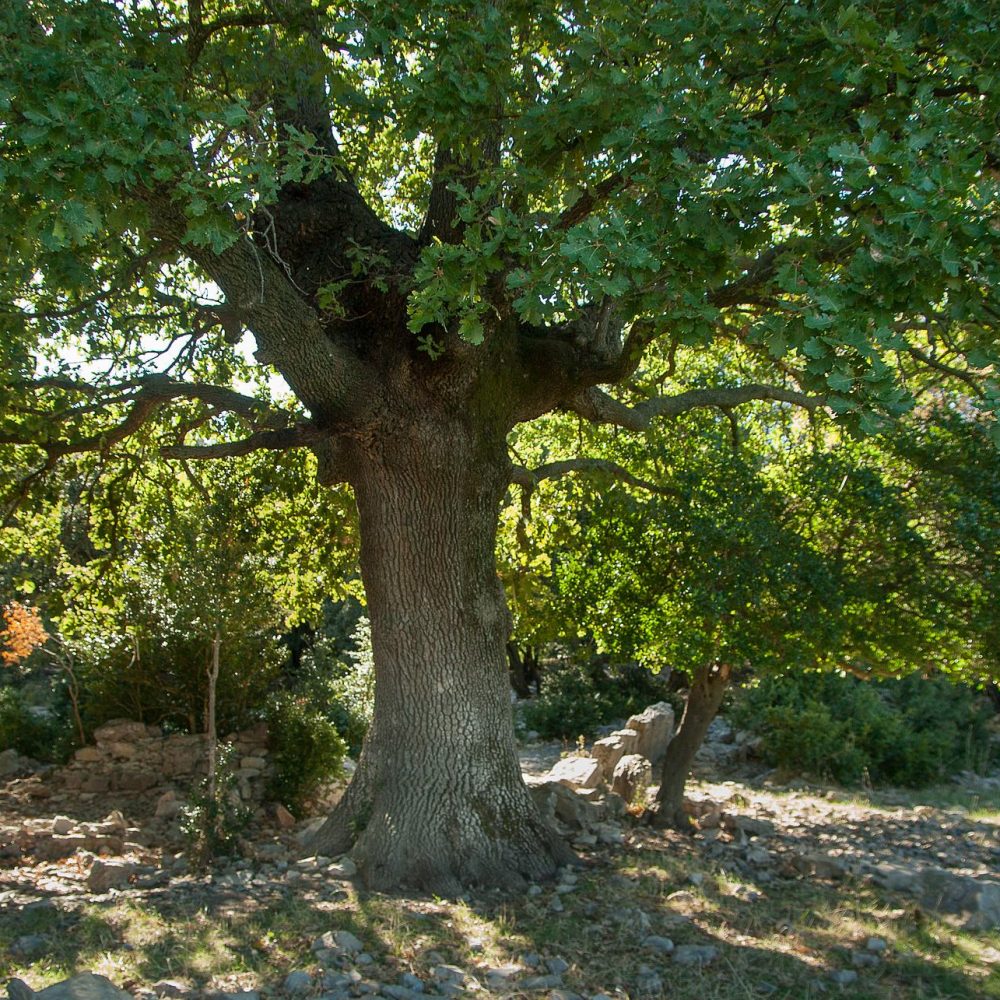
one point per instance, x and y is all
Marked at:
(600, 408)
(528, 479)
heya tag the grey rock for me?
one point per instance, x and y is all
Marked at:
(695, 954)
(336, 981)
(412, 982)
(18, 989)
(557, 966)
(171, 988)
(541, 982)
(648, 982)
(558, 802)
(30, 946)
(342, 942)
(864, 959)
(876, 945)
(577, 772)
(498, 975)
(654, 942)
(449, 974)
(843, 977)
(749, 825)
(105, 875)
(10, 764)
(363, 958)
(86, 986)
(655, 726)
(632, 776)
(531, 959)
(345, 868)
(397, 992)
(897, 878)
(297, 983)
(564, 995)
(976, 899)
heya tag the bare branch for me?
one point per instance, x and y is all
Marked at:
(765, 267)
(145, 395)
(528, 479)
(590, 200)
(597, 406)
(967, 377)
(300, 436)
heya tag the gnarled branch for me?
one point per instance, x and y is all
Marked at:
(528, 479)
(299, 436)
(600, 408)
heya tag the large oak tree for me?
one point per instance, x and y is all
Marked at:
(438, 220)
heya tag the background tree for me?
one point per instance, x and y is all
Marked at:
(437, 221)
(730, 554)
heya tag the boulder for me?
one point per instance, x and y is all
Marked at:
(168, 805)
(86, 986)
(655, 726)
(284, 818)
(105, 875)
(10, 763)
(609, 750)
(558, 802)
(577, 772)
(120, 731)
(633, 775)
(977, 900)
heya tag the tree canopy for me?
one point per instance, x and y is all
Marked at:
(437, 221)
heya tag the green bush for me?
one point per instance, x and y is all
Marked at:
(341, 683)
(306, 749)
(46, 738)
(909, 732)
(212, 823)
(578, 698)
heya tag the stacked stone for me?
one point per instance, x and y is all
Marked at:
(133, 757)
(624, 760)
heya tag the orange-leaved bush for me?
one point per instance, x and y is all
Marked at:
(23, 633)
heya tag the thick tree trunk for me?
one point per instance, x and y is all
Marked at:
(704, 697)
(437, 801)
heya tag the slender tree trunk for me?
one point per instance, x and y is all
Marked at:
(213, 739)
(704, 697)
(437, 801)
(519, 669)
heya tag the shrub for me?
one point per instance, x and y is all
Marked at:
(909, 732)
(212, 823)
(42, 735)
(578, 698)
(306, 749)
(341, 684)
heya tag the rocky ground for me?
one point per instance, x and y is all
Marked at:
(785, 890)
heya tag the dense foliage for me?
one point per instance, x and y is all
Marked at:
(438, 222)
(910, 731)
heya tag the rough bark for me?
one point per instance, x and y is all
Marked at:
(707, 688)
(438, 801)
